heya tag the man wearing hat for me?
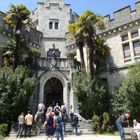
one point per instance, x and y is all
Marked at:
(120, 122)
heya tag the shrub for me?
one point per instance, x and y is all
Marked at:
(97, 98)
(102, 124)
(3, 130)
(106, 121)
(127, 96)
(15, 91)
(96, 123)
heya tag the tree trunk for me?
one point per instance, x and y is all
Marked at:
(90, 59)
(80, 46)
(15, 50)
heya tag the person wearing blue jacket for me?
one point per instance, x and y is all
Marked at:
(120, 122)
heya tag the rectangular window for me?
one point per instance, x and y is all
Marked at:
(50, 25)
(56, 25)
(126, 51)
(136, 47)
(134, 34)
(124, 37)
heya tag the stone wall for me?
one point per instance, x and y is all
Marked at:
(122, 17)
(53, 10)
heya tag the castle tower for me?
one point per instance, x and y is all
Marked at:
(52, 18)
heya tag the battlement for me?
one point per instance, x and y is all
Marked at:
(123, 16)
(54, 4)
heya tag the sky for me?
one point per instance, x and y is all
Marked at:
(102, 7)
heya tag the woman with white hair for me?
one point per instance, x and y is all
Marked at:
(136, 128)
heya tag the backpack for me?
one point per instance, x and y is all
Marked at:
(64, 118)
(64, 109)
(75, 119)
(58, 119)
(39, 117)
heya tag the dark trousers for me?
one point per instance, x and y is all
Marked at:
(28, 129)
(75, 128)
(121, 130)
(20, 130)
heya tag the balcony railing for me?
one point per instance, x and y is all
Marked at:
(58, 63)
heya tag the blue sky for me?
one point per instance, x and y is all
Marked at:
(102, 7)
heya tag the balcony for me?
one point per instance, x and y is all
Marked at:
(58, 63)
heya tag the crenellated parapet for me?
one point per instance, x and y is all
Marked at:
(122, 17)
(56, 4)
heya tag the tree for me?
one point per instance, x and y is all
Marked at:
(127, 96)
(15, 91)
(90, 102)
(74, 33)
(88, 86)
(8, 52)
(15, 18)
(100, 53)
(88, 25)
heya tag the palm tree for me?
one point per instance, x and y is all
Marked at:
(88, 25)
(74, 33)
(100, 52)
(8, 52)
(15, 18)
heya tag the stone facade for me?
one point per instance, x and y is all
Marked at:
(125, 23)
(52, 18)
(56, 64)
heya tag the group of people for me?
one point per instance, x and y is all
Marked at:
(25, 124)
(56, 119)
(53, 121)
(122, 121)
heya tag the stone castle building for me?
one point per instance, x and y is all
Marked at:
(55, 74)
(56, 64)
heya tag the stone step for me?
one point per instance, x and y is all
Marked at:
(84, 128)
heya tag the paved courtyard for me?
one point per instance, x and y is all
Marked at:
(81, 137)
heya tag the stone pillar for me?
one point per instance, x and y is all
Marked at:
(66, 94)
(41, 92)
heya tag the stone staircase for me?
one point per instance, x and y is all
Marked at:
(84, 127)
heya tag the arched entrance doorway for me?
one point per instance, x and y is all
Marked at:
(53, 92)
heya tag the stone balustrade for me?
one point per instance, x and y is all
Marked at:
(58, 63)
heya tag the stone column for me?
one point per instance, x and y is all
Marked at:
(41, 92)
(65, 94)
